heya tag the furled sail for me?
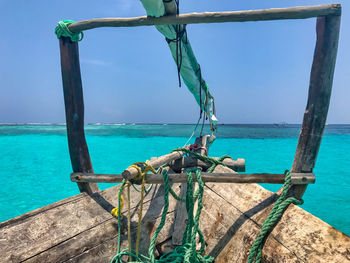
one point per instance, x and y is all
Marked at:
(183, 55)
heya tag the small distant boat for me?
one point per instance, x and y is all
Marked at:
(281, 124)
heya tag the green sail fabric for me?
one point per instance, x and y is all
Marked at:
(190, 69)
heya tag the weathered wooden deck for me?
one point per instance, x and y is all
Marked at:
(81, 228)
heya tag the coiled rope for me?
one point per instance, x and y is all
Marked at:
(62, 30)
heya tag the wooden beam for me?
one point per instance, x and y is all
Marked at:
(300, 12)
(74, 106)
(131, 172)
(297, 178)
(320, 89)
(190, 161)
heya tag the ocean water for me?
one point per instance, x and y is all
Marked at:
(35, 164)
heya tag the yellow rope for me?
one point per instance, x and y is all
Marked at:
(140, 216)
(148, 168)
(142, 174)
(115, 210)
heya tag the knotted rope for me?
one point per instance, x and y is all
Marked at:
(204, 158)
(274, 217)
(187, 251)
(62, 30)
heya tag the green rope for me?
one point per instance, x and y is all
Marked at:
(146, 190)
(119, 211)
(62, 30)
(274, 217)
(204, 158)
(187, 252)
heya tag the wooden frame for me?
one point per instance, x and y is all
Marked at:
(74, 105)
(320, 89)
(321, 80)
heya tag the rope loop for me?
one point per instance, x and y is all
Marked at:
(273, 218)
(143, 168)
(62, 30)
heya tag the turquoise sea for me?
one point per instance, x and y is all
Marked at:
(35, 164)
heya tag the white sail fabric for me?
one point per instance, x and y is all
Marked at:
(183, 55)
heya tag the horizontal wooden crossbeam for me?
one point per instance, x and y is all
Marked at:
(300, 12)
(296, 178)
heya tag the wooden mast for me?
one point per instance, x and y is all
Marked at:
(74, 106)
(320, 89)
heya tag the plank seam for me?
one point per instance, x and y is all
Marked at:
(106, 240)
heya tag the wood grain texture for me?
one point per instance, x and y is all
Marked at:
(74, 106)
(300, 12)
(31, 235)
(180, 218)
(74, 227)
(230, 233)
(321, 81)
(224, 177)
(81, 229)
(298, 237)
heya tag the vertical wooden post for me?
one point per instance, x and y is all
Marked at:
(74, 105)
(320, 88)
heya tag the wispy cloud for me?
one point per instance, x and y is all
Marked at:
(96, 62)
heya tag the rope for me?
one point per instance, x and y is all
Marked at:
(120, 207)
(204, 158)
(194, 130)
(274, 217)
(140, 215)
(115, 210)
(143, 168)
(187, 252)
(129, 217)
(62, 30)
(180, 31)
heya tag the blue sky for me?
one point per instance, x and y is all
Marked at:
(258, 72)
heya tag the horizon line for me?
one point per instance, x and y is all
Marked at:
(154, 123)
